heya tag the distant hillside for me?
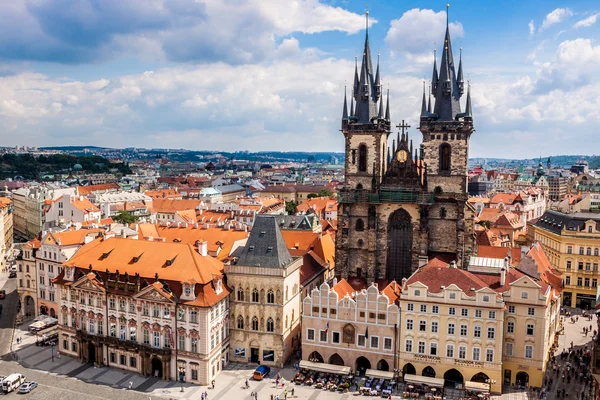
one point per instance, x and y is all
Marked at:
(75, 148)
(29, 167)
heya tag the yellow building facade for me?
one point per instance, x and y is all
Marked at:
(572, 243)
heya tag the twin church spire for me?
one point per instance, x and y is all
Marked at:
(447, 85)
(447, 88)
(366, 103)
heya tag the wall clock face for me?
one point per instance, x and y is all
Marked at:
(402, 156)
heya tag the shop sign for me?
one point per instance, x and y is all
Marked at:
(467, 363)
(425, 358)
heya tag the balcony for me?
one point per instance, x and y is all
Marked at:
(124, 344)
(385, 195)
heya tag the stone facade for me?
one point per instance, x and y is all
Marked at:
(401, 205)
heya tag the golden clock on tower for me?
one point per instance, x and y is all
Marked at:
(402, 156)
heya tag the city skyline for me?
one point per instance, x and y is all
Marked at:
(267, 76)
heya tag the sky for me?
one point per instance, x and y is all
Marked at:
(270, 74)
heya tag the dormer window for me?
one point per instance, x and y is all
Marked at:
(188, 291)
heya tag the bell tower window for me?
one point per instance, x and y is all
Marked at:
(362, 158)
(445, 157)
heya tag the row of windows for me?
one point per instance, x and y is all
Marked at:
(509, 350)
(580, 266)
(270, 298)
(583, 250)
(361, 340)
(464, 312)
(451, 329)
(582, 281)
(421, 348)
(254, 323)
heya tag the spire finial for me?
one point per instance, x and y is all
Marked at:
(367, 18)
(387, 107)
(447, 15)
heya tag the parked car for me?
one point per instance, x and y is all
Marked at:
(2, 294)
(12, 274)
(28, 387)
(260, 372)
(12, 382)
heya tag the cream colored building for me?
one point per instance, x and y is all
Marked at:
(572, 243)
(265, 301)
(27, 279)
(6, 230)
(156, 308)
(492, 323)
(359, 329)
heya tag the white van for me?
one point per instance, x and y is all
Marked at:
(12, 382)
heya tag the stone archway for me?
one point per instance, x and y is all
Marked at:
(383, 365)
(409, 369)
(399, 254)
(428, 371)
(336, 359)
(43, 310)
(52, 313)
(157, 368)
(522, 378)
(453, 376)
(480, 377)
(362, 364)
(315, 356)
(29, 307)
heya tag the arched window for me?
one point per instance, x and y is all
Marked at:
(286, 322)
(596, 252)
(254, 323)
(286, 293)
(255, 295)
(360, 225)
(270, 297)
(292, 316)
(442, 213)
(270, 325)
(362, 158)
(240, 322)
(360, 243)
(589, 251)
(240, 294)
(445, 157)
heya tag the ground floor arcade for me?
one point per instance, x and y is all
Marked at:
(358, 361)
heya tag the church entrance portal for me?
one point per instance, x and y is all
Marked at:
(399, 259)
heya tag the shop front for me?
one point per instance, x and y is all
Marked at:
(324, 376)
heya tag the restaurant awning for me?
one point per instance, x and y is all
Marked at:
(327, 368)
(477, 386)
(373, 373)
(424, 380)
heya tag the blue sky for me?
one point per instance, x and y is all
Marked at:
(270, 74)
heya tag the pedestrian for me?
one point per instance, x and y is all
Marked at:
(271, 396)
(202, 396)
(206, 395)
(130, 384)
(292, 391)
(213, 383)
(285, 395)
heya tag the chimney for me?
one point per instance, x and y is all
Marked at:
(87, 239)
(334, 282)
(502, 276)
(124, 233)
(202, 246)
(453, 264)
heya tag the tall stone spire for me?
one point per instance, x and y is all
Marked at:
(380, 115)
(429, 101)
(356, 82)
(424, 104)
(434, 76)
(459, 77)
(366, 102)
(468, 109)
(345, 111)
(387, 107)
(447, 92)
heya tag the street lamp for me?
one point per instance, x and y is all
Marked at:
(52, 349)
(490, 382)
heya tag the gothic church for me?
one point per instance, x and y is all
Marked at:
(401, 205)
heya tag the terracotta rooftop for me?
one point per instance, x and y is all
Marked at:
(85, 190)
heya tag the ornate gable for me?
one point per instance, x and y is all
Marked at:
(151, 293)
(404, 169)
(86, 283)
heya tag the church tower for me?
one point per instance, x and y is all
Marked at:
(446, 133)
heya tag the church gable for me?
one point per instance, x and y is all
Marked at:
(404, 167)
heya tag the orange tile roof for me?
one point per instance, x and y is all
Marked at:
(392, 291)
(319, 204)
(148, 230)
(33, 243)
(71, 237)
(187, 215)
(489, 214)
(171, 206)
(509, 219)
(172, 261)
(506, 198)
(81, 203)
(484, 200)
(85, 190)
(300, 240)
(500, 252)
(342, 288)
(216, 237)
(163, 194)
(325, 248)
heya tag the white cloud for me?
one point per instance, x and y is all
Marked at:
(589, 21)
(414, 33)
(531, 26)
(556, 16)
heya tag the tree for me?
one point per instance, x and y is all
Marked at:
(290, 207)
(125, 217)
(485, 224)
(322, 193)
